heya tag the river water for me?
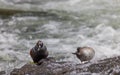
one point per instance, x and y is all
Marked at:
(66, 25)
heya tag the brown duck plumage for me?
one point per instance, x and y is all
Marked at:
(38, 52)
(85, 53)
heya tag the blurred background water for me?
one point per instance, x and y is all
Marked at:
(63, 25)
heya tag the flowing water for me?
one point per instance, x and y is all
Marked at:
(65, 25)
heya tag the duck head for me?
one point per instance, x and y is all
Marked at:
(39, 45)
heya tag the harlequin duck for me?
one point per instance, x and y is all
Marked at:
(39, 52)
(84, 53)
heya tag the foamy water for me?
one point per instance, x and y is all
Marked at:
(90, 23)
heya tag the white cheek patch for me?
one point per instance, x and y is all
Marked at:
(38, 49)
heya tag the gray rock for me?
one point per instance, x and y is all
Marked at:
(2, 72)
(109, 66)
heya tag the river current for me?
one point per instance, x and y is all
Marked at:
(65, 26)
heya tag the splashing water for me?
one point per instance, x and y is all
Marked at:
(73, 23)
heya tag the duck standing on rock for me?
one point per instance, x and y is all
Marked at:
(39, 52)
(84, 53)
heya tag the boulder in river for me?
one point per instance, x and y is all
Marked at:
(109, 66)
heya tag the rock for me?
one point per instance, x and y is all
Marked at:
(2, 72)
(16, 11)
(109, 66)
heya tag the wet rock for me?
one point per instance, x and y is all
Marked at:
(110, 66)
(112, 71)
(2, 72)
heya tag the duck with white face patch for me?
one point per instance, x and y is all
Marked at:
(39, 52)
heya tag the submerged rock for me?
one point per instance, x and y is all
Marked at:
(110, 66)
